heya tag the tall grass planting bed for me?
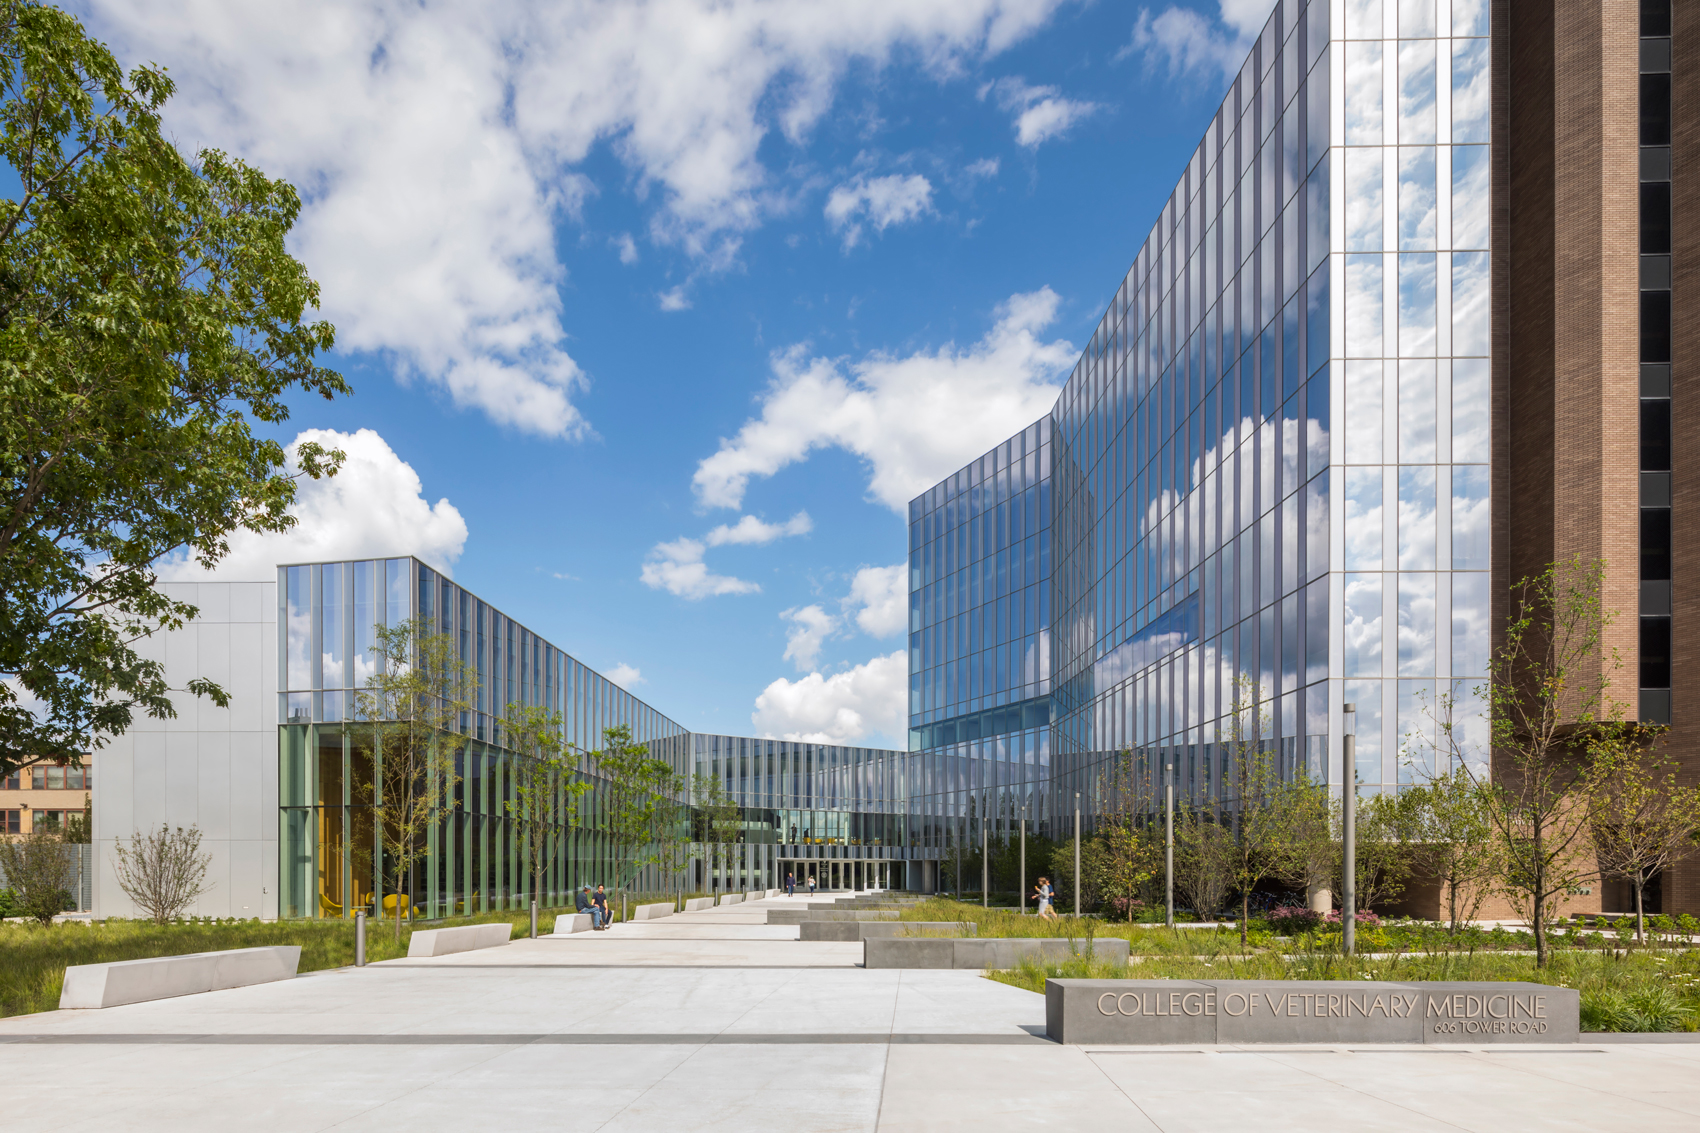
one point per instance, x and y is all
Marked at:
(33, 958)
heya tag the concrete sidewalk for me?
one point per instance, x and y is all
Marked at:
(651, 1030)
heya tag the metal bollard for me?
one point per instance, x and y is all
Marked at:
(360, 939)
(534, 920)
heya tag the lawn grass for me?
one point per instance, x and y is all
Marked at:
(33, 958)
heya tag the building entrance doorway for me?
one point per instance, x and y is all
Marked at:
(843, 876)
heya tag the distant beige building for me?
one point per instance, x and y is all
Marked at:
(44, 794)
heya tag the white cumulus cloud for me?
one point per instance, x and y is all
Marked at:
(374, 508)
(677, 568)
(810, 627)
(749, 529)
(439, 147)
(1041, 113)
(865, 702)
(880, 201)
(625, 675)
(674, 299)
(880, 598)
(1186, 41)
(914, 418)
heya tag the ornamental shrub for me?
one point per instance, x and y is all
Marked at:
(1364, 918)
(1291, 920)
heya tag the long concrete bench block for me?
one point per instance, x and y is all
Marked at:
(462, 938)
(653, 912)
(864, 930)
(165, 977)
(696, 903)
(731, 898)
(755, 895)
(1140, 1012)
(568, 923)
(995, 952)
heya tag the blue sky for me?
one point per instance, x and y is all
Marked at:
(674, 305)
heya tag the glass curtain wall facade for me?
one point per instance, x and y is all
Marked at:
(1267, 475)
(980, 645)
(331, 857)
(800, 802)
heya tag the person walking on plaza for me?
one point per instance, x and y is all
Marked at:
(811, 885)
(601, 903)
(1045, 893)
(582, 903)
(790, 884)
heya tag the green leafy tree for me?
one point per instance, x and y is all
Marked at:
(413, 703)
(38, 872)
(1094, 870)
(1450, 835)
(1259, 805)
(1644, 821)
(1549, 695)
(545, 791)
(639, 807)
(150, 317)
(1132, 850)
(1312, 860)
(719, 823)
(1386, 850)
(1204, 855)
(79, 825)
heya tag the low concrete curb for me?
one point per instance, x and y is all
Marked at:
(166, 977)
(804, 916)
(653, 912)
(696, 903)
(568, 923)
(1006, 952)
(731, 898)
(462, 938)
(865, 930)
(755, 895)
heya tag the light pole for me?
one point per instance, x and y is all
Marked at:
(985, 866)
(1077, 853)
(1169, 843)
(1021, 882)
(1349, 828)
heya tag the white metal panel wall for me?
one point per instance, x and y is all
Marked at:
(211, 767)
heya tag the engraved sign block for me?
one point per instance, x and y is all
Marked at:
(1160, 1012)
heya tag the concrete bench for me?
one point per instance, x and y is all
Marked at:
(996, 952)
(165, 977)
(696, 903)
(802, 916)
(568, 923)
(755, 895)
(462, 938)
(731, 898)
(864, 930)
(653, 912)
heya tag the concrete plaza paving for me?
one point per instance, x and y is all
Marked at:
(714, 1021)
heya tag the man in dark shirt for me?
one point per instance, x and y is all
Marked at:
(583, 904)
(601, 903)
